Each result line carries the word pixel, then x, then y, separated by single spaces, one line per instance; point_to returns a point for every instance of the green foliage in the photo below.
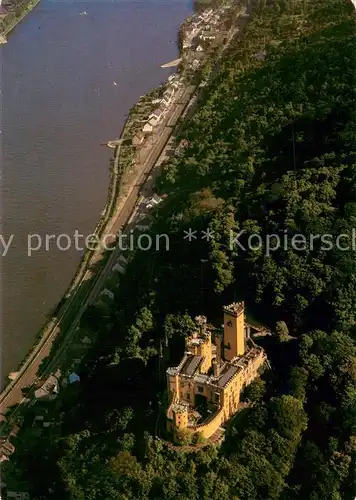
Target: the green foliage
pixel 282 331
pixel 198 438
pixel 182 325
pixel 254 392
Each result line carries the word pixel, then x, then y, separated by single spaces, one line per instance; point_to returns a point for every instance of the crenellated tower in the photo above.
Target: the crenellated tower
pixel 234 330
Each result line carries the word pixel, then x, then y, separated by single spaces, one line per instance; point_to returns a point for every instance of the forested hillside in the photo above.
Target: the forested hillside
pixel 271 151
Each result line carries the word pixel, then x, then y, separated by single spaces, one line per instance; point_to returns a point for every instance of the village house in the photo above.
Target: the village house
pixel 156 116
pixel 169 93
pixel 161 111
pixel 166 101
pixel 176 84
pixel 123 260
pixel 3 10
pixel 199 49
pixel 155 200
pixel 144 224
pixel 215 368
pixel 117 268
pixel 153 119
pixel 6 449
pixel 138 139
pixel 49 389
pixel 148 128
pixel 120 265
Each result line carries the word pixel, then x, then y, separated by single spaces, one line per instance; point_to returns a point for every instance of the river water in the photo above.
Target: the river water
pixel 59 102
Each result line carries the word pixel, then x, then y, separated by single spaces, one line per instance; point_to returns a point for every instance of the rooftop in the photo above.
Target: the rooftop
pixel 227 375
pixel 191 365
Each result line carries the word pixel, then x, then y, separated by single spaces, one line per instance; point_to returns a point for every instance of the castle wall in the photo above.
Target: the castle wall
pixel 210 426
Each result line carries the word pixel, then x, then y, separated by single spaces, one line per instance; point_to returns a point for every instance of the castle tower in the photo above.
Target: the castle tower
pixel 234 330
pixel 180 418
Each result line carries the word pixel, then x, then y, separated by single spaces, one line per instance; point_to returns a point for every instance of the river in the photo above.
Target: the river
pixel 59 102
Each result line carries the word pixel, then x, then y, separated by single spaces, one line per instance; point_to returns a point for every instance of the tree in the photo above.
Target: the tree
pixel 282 331
pixel 254 392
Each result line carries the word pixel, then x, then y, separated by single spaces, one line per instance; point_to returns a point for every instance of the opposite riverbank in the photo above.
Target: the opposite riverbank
pixel 13 16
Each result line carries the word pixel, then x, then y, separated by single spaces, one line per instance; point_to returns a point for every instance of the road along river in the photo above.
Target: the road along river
pixel 70 73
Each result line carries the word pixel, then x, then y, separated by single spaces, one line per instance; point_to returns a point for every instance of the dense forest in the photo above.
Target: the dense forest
pixel 271 151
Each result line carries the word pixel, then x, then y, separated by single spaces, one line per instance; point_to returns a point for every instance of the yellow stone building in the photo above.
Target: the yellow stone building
pixel 212 374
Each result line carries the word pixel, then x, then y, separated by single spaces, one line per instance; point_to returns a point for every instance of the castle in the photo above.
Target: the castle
pixel 212 374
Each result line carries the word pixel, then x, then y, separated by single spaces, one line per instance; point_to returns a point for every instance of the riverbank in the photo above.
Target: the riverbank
pixel 69 300
pixel 81 286
pixel 14 17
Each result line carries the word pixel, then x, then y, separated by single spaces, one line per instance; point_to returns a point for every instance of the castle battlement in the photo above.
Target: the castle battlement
pixel 235 309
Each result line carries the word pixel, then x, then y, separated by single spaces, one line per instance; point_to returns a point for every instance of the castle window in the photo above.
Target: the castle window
pixel 200 389
pixel 188 396
pixel 229 324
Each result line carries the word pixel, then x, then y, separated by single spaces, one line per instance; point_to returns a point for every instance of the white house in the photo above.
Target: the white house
pixel 199 48
pixel 166 102
pixel 153 201
pixel 176 84
pixel 156 116
pixel 49 389
pixel 147 129
pixel 169 93
pixel 161 111
pixel 153 120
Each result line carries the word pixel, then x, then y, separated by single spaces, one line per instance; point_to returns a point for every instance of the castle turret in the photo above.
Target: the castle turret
pixel 216 368
pixel 234 330
pixel 180 417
